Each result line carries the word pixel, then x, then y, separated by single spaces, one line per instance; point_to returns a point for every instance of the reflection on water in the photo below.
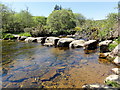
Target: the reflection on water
pixel 24 62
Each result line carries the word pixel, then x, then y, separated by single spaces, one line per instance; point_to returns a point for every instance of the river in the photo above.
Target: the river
pixel 31 65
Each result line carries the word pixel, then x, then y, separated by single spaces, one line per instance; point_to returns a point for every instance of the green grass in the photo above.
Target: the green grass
pixel 25 34
pixel 113 84
pixel 118 40
pixel 112 46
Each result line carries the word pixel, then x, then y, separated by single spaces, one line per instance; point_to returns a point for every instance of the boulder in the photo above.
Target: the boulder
pixel 48 44
pixel 30 39
pixel 104 46
pixel 116 51
pixel 90 45
pixel 64 42
pixel 116 70
pixel 91 86
pixel 16 36
pixel 106 43
pixel 114 78
pixel 117 60
pixel 114 42
pixel 41 39
pixel 104 55
pixel 52 40
pixel 76 43
pixel 23 37
pixel 70 36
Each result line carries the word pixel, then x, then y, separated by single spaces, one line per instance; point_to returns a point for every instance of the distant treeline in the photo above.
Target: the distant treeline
pixel 60 22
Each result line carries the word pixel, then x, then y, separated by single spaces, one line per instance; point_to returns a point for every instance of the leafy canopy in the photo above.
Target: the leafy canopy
pixel 60 20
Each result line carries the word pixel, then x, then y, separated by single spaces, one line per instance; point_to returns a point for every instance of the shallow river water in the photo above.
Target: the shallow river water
pixel 31 65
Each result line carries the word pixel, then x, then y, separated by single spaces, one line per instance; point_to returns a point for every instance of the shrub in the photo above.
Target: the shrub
pixel 40 31
pixel 25 34
pixel 77 29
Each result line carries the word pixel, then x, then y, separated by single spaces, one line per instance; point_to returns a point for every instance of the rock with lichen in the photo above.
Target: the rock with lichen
pixel 116 70
pixel 114 78
pixel 91 86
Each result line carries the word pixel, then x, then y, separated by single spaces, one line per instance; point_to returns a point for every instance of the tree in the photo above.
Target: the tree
pixel 15 22
pixel 6 18
pixel 39 20
pixel 60 7
pixel 57 7
pixel 80 19
pixel 25 18
pixel 61 20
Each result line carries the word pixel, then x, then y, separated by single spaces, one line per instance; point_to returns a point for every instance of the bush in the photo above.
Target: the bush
pixel 77 29
pixel 40 31
pixel 8 36
pixel 25 34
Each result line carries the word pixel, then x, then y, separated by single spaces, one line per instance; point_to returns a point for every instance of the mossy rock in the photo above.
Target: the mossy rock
pixel 113 84
pixel 8 36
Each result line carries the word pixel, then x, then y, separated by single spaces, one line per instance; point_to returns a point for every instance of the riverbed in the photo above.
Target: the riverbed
pixel 31 65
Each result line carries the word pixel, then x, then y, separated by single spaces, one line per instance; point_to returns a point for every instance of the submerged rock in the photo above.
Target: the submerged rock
pixel 106 55
pixel 116 70
pixel 77 43
pixel 117 60
pixel 64 42
pixel 49 75
pixel 95 86
pixel 114 78
pixel 48 44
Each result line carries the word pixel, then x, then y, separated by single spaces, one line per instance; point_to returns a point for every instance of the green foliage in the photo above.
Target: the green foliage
pixel 113 84
pixel 112 46
pixel 25 34
pixel 61 20
pixel 24 18
pixel 118 40
pixel 77 29
pixel 80 19
pixel 28 30
pixel 1 34
pixel 7 17
pixel 101 29
pixel 40 31
pixel 8 36
pixel 15 22
pixel 40 20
